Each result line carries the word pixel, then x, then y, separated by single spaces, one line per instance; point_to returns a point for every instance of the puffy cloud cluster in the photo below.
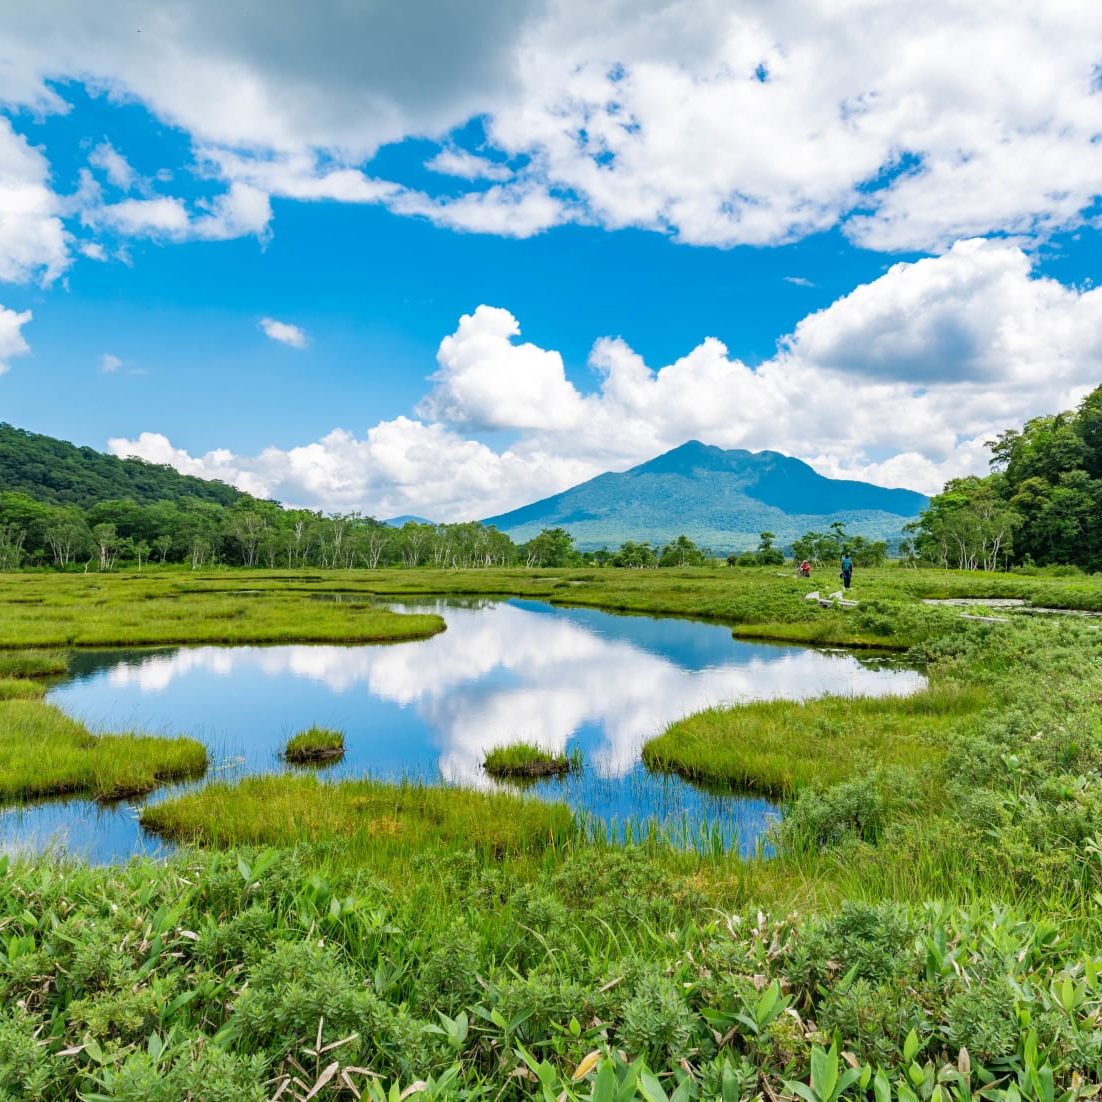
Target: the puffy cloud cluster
pixel 760 123
pixel 402 466
pixel 284 333
pixel 899 383
pixel 487 382
pixel 33 240
pixel 722 124
pixel 12 341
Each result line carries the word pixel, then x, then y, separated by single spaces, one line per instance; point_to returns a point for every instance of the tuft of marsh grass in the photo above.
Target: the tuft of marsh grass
pixel 525 759
pixel 313 745
pixel 21 688
pixel 32 663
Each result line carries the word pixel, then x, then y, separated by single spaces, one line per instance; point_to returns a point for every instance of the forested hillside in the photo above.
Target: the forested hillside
pixel 58 473
pixel 1042 503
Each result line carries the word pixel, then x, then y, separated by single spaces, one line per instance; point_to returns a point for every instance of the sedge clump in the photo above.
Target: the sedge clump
pixel 313 745
pixel 524 759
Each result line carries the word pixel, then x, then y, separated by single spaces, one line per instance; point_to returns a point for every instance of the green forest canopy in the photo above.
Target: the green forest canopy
pixel 1042 503
pixel 58 473
pixel 71 507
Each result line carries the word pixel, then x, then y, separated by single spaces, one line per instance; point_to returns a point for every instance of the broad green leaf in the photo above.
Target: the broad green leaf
pixel 604 1086
pixel 729 1083
pixel 910 1047
pixel 650 1088
pixel 824 1071
pixel 881 1088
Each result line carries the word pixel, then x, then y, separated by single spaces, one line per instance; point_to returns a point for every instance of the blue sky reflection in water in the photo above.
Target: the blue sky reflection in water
pixel 503 671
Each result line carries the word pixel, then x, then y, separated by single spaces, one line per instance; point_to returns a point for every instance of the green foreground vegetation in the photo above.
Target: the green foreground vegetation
pixel 928 925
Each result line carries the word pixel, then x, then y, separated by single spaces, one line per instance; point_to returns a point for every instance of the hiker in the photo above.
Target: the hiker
pixel 847 570
pixel 804 569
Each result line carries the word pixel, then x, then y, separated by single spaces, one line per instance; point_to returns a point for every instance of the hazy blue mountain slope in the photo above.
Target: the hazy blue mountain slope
pixel 721 499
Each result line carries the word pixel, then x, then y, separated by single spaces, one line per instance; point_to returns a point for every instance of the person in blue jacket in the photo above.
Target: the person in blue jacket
pixel 847 569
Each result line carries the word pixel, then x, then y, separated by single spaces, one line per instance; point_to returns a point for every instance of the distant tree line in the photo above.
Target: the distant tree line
pixel 817 548
pixel 1041 505
pixel 263 534
pixel 249 533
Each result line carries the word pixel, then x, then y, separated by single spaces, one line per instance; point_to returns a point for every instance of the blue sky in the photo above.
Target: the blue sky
pixel 445 259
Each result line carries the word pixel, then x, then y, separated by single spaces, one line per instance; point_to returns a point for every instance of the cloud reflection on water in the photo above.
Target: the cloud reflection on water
pixel 504 672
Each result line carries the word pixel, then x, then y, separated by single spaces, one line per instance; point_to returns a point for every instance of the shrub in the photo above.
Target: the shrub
pixel 876 942
pixel 984 1019
pixel 657 1022
pixel 851 811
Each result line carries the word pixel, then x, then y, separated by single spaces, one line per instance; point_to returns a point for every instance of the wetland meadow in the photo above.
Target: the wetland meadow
pixel 920 920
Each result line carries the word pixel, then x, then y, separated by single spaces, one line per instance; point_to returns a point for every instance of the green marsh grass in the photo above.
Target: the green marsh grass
pixel 33 663
pixel 525 759
pixel 313 745
pixel 20 688
pixel 101 610
pixel 45 753
pixel 371 815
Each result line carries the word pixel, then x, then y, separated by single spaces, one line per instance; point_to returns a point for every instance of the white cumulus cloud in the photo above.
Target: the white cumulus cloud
pixel 488 382
pixel 284 332
pixel 721 124
pixel 33 240
pixel 157 218
pixel 12 342
pixel 114 165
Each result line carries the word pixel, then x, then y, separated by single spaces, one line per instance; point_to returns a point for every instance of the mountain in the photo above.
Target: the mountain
pixel 397 522
pixel 719 499
pixel 58 473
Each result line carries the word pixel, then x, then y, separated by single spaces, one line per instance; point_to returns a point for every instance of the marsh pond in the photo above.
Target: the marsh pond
pixel 565 679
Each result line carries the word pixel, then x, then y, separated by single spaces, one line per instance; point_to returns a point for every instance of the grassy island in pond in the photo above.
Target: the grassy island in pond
pixel 522 760
pixel 777 747
pixel 315 744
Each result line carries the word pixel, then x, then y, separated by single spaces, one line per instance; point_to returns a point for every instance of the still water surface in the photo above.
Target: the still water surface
pixel 503 671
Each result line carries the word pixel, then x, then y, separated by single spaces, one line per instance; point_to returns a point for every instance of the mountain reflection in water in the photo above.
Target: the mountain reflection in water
pixel 503 671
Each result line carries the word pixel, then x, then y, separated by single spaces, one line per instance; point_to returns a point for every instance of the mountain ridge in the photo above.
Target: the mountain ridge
pixel 719 498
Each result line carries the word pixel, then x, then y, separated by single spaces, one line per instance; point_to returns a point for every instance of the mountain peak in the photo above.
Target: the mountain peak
pixel 720 498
